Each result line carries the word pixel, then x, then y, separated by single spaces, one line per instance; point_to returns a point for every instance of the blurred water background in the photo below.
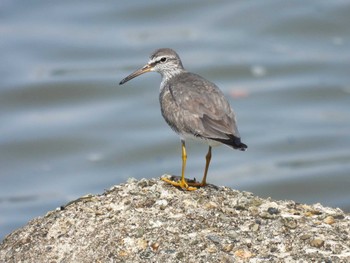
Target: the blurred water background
pixel 68 129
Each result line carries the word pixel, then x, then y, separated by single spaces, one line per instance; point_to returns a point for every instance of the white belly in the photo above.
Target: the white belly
pixel 199 139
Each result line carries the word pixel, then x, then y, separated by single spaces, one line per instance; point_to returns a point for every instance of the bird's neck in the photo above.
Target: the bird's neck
pixel 169 74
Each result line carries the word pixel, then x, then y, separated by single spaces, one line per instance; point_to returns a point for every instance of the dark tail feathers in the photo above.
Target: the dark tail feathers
pixel 233 141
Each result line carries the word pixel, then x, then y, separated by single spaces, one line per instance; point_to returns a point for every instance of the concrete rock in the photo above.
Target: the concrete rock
pixel 150 221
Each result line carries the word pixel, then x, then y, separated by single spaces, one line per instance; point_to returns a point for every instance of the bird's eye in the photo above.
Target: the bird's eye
pixel 163 59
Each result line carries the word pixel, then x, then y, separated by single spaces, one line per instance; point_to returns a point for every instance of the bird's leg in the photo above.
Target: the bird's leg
pixel 204 180
pixel 182 183
pixel 184 160
pixel 207 158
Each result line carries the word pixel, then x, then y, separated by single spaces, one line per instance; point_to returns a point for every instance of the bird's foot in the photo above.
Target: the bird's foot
pixel 180 183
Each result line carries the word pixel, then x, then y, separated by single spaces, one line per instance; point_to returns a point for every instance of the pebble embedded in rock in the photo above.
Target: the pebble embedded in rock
pixel 290 223
pixel 214 239
pixel 272 211
pixel 329 220
pixel 305 236
pixel 227 248
pixel 244 254
pixel 317 242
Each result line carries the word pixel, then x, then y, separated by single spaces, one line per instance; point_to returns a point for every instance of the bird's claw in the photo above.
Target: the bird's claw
pixel 181 183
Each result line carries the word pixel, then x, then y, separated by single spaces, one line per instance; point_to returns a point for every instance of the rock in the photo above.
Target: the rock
pixel 272 211
pixel 305 236
pixel 317 242
pixel 150 221
pixel 244 254
pixel 329 220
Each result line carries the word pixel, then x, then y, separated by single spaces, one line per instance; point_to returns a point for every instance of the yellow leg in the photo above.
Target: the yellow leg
pixel 207 158
pixel 204 180
pixel 182 183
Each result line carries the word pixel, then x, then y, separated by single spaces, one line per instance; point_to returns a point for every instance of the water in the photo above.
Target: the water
pixel 68 129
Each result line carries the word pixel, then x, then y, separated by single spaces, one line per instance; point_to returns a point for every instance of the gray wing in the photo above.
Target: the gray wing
pixel 205 110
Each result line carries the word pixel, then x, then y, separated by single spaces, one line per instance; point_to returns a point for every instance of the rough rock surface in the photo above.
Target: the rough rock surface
pixel 150 221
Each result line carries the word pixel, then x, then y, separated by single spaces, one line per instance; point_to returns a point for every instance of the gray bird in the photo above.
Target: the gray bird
pixel 193 107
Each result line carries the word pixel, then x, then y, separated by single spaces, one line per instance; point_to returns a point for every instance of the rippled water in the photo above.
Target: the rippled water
pixel 68 129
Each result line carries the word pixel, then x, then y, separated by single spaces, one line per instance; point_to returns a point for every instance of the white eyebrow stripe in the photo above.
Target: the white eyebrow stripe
pixel 158 59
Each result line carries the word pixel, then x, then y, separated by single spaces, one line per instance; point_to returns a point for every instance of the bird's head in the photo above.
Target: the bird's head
pixel 165 61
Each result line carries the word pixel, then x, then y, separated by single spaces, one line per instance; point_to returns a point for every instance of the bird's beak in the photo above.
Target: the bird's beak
pixel 144 69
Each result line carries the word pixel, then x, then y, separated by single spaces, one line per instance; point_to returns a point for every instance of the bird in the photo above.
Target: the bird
pixel 194 108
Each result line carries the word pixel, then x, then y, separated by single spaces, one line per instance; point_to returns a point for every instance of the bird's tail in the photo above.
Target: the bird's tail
pixel 232 141
pixel 241 146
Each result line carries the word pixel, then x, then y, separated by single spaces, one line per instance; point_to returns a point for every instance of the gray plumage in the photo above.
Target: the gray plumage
pixel 193 107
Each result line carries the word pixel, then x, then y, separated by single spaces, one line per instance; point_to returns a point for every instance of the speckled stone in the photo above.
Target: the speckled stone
pixel 150 221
